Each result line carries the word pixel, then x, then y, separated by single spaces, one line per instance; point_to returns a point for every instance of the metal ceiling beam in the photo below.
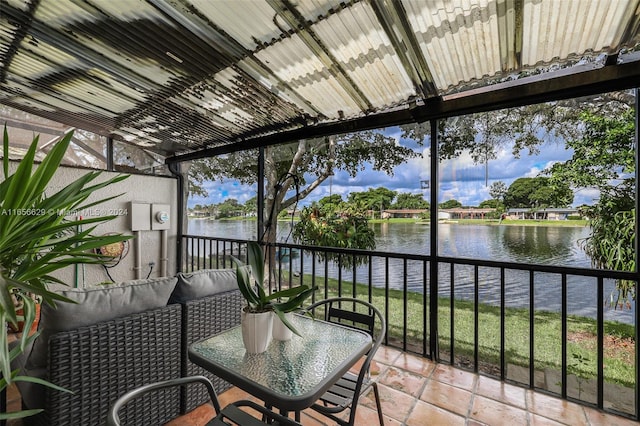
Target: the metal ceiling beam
pixel 68 45
pixel 510 31
pixel 393 18
pixel 564 84
pixel 245 60
pixel 20 35
pixel 633 28
pixel 294 19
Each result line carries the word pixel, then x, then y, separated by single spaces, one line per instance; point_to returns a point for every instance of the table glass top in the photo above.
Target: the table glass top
pixel 289 368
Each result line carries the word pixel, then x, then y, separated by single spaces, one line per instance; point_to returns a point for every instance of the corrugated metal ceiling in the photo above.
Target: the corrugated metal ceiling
pixel 175 76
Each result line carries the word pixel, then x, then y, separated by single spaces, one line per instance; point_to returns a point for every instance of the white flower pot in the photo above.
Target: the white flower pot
pixel 281 331
pixel 256 331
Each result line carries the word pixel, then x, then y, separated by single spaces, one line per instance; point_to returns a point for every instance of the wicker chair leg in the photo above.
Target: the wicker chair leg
pixel 378 405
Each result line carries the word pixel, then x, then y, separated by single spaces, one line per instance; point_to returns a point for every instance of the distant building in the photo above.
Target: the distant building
pixel 198 213
pixel 461 213
pixel 403 213
pixel 542 214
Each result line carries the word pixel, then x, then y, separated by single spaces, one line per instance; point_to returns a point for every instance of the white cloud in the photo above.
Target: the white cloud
pixel 459 178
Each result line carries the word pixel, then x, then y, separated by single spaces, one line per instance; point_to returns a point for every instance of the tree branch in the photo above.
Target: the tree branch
pixel 328 171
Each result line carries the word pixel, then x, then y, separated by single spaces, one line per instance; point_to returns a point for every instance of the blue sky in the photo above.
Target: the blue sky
pixel 460 179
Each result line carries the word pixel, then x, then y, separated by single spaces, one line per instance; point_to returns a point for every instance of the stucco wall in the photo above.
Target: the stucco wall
pixel 136 188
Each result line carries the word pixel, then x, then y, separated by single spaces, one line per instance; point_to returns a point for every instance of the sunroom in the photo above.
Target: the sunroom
pixel 181 93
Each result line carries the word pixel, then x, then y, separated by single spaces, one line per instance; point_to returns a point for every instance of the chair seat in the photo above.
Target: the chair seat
pixel 342 393
pixel 233 415
pixel 236 416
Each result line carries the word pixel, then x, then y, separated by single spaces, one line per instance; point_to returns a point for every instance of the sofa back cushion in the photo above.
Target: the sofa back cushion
pixel 207 282
pixel 97 304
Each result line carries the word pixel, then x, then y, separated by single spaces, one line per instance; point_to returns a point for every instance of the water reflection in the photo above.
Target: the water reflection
pixel 539 244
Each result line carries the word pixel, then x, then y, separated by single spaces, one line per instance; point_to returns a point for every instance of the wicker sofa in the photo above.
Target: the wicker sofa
pixel 119 337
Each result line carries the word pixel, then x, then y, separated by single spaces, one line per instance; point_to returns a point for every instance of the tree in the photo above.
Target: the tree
pixel 526 128
pixel 481 134
pixel 335 225
pixel 450 204
pixel 229 208
pixel 491 204
pixel 498 190
pixel 538 192
pixel 410 201
pixel 376 199
pixel 302 167
pixel 250 206
pixel 330 202
pixel 604 158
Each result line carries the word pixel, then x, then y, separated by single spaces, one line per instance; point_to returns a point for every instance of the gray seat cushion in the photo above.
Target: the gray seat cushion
pixel 96 305
pixel 207 282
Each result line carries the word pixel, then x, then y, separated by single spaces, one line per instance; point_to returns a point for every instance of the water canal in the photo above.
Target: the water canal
pixel 549 245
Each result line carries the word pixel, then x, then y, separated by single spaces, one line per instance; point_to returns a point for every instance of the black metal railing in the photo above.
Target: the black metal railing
pixel 498 318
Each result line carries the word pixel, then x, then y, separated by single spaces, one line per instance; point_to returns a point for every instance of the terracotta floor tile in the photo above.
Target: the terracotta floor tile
pixel 313 416
pixel 447 396
pixel 555 408
pixel 403 380
pixel 473 422
pixel 418 365
pixel 375 368
pixel 366 416
pixel 538 420
pixel 197 417
pixel 493 412
pixel 503 392
pixel 395 404
pixel 307 420
pixel 428 414
pixel 387 355
pixel 455 377
pixel 231 395
pixel 597 418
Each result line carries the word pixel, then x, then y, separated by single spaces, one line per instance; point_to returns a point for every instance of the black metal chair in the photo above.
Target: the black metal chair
pixel 230 415
pixel 344 394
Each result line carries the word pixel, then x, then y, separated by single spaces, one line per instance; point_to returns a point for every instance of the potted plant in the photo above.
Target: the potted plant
pixel 257 316
pixel 37 239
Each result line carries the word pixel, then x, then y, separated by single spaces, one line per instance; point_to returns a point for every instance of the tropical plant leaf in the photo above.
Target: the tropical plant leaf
pixel 245 287
pixel 255 259
pixel 5 152
pixel 20 414
pixel 37 239
pixel 295 302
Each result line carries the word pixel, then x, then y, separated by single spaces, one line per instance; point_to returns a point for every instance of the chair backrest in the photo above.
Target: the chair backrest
pixel 347 311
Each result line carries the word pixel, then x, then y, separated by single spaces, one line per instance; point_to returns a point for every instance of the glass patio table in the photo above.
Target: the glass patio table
pixel 290 375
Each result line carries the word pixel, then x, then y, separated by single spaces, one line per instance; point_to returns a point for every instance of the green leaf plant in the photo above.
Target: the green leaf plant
pixel 250 277
pixel 39 236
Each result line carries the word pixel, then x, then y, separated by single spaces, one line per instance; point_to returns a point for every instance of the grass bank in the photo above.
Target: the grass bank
pixel 581 332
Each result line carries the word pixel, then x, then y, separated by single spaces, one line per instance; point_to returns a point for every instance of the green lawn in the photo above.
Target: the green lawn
pixel 581 332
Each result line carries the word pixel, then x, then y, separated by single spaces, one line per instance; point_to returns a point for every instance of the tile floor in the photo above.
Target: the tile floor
pixel 417 392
